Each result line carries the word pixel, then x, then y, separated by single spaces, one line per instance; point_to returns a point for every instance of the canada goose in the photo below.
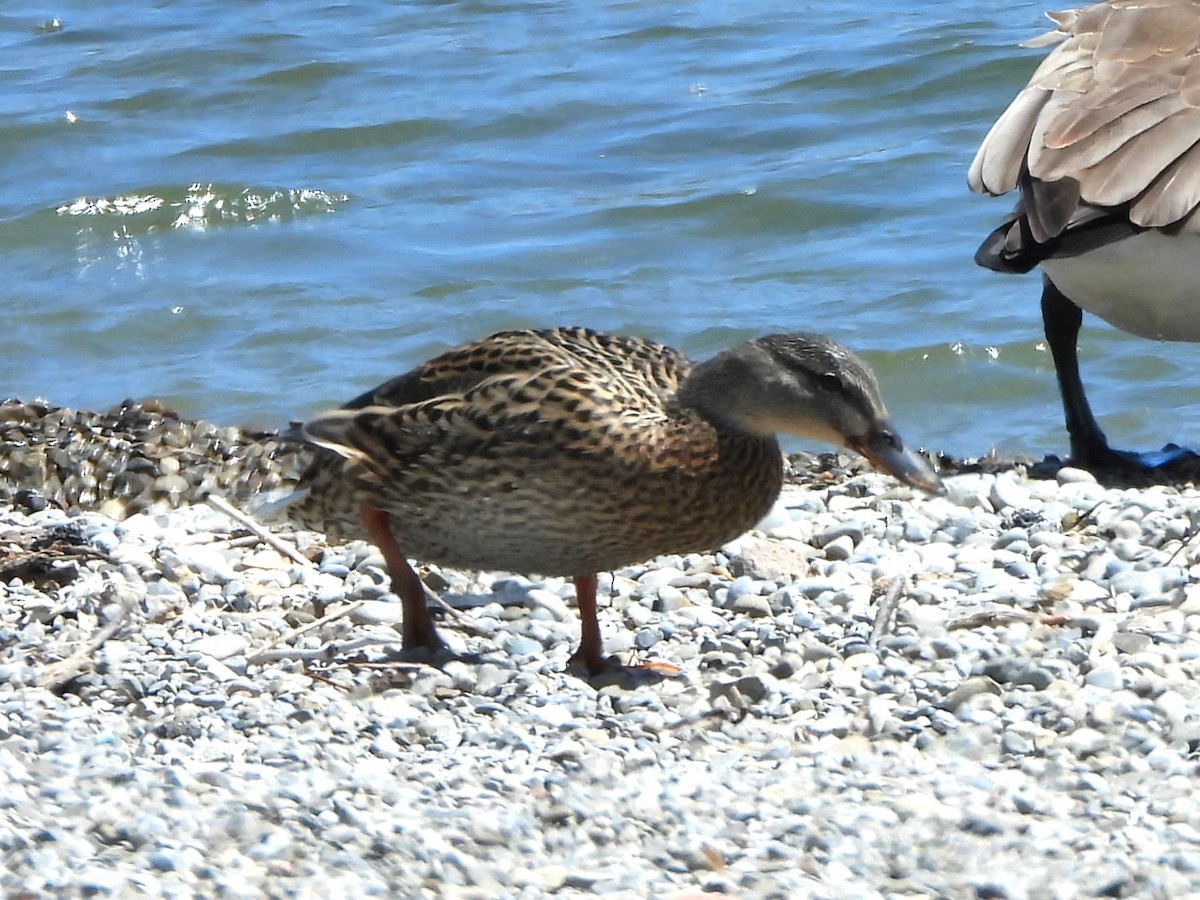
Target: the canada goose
pixel 1104 146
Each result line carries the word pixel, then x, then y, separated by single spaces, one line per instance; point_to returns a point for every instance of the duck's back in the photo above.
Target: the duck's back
pixel 556 452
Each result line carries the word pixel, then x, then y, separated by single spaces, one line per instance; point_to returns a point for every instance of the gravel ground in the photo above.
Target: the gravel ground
pixel 988 694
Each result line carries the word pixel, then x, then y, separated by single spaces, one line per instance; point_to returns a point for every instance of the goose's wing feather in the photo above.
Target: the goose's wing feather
pixel 1000 160
pixel 1114 108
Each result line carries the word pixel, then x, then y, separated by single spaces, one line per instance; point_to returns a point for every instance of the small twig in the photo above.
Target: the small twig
pixel 992 616
pixel 1086 517
pixel 316 676
pixel 57 674
pixel 267 654
pixel 885 615
pixel 264 535
pixel 248 540
pixel 400 665
pixel 330 652
pixel 1183 544
pixel 321 654
pixel 460 619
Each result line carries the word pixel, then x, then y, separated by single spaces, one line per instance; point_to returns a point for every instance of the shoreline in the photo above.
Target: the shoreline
pixel 992 693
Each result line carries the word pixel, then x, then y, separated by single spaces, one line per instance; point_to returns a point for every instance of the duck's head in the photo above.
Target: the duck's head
pixel 808 386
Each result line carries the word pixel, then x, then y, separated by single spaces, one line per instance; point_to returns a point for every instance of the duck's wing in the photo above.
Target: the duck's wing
pixel 534 394
pixel 1110 119
pixel 456 371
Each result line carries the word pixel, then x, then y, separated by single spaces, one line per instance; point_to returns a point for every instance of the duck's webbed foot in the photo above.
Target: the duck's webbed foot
pixel 606 670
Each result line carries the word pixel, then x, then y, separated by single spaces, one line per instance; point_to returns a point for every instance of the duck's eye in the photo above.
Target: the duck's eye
pixel 831 383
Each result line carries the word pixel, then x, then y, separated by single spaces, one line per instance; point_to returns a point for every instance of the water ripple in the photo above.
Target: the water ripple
pixel 205 205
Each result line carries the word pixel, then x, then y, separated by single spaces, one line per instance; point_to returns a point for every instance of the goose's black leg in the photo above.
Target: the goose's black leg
pixel 1089 447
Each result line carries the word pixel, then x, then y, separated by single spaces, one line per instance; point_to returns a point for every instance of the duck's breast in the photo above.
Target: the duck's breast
pixel 566 515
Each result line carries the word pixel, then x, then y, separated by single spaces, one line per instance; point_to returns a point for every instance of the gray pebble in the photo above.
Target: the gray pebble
pixel 647 638
pixel 656 578
pixel 1007 491
pixel 851 533
pixel 517 645
pixel 638 615
pixel 840 548
pixel 670 599
pixel 106 541
pixel 1105 677
pixel 1016 743
pixel 968 689
pixel 220 646
pixel 753 605
pixel 377 612
pixel 550 604
pixel 1070 475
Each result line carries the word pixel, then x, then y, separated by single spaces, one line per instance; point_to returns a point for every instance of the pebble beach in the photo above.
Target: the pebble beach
pixel 988 694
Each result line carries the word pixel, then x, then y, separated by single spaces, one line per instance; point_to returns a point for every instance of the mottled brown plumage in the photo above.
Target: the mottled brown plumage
pixel 569 452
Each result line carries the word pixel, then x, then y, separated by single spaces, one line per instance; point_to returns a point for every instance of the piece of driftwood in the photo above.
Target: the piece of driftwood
pixel 223 505
pixel 267 652
pixel 45 556
pixel 885 614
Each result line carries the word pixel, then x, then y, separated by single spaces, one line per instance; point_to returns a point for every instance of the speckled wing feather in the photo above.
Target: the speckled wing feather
pixel 1111 118
pixel 519 392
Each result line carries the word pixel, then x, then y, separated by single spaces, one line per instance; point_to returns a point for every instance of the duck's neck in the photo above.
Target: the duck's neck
pixel 727 390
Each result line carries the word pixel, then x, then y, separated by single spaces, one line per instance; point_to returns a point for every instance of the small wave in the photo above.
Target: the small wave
pixel 111 206
pixel 204 205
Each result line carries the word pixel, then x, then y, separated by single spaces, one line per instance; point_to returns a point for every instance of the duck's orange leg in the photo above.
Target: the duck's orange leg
pixel 417 628
pixel 590 654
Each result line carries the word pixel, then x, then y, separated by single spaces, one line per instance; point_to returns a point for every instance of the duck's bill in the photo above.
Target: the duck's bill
pixel 885 451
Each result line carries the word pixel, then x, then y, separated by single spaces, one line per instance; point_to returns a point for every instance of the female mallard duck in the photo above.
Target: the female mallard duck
pixel 569 452
pixel 1104 146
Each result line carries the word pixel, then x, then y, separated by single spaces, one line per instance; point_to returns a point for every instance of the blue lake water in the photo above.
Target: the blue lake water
pixel 256 211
